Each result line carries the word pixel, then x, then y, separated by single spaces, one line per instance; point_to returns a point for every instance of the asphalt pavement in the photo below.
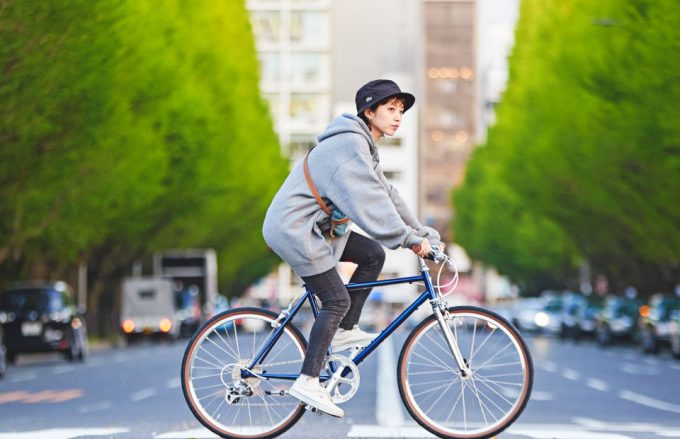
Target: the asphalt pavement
pixel 580 391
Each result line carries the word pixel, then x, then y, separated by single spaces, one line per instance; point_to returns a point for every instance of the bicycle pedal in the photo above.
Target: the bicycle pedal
pixel 314 410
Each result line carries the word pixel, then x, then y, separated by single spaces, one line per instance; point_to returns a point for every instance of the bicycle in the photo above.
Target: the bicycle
pixel 463 372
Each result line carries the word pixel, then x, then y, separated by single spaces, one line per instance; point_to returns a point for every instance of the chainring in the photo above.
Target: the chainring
pixel 342 388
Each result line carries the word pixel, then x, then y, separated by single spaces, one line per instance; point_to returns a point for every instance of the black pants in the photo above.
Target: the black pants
pixel 339 308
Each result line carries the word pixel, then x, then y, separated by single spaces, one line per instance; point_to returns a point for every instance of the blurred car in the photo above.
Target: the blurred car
pixel 675 333
pixel 3 351
pixel 655 321
pixel 43 317
pixel 573 305
pixel 589 315
pixel 538 315
pixel 618 320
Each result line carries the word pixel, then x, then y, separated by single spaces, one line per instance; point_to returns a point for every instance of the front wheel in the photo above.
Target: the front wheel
pixel 476 406
pixel 227 397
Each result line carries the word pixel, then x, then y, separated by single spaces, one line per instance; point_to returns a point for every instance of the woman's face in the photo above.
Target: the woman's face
pixel 385 120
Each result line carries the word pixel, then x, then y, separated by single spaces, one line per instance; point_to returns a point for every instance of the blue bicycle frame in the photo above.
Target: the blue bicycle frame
pixel 428 294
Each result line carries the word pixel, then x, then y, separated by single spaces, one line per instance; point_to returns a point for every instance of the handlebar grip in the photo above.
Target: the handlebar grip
pixel 431 255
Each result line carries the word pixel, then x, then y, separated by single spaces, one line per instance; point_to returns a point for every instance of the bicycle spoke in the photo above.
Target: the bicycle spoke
pixel 227 399
pixel 483 403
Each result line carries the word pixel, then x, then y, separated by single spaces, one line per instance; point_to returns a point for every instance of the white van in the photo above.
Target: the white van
pixel 148 308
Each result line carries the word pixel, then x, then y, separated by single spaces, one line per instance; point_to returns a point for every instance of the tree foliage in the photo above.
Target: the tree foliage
pixel 129 127
pixel 586 147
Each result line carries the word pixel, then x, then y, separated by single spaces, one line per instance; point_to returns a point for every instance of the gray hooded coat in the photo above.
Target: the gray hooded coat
pixel 345 169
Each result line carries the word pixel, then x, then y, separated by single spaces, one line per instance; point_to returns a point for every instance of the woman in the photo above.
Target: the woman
pixel 342 175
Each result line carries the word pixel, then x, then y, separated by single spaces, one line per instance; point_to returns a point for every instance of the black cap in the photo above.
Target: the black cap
pixel 378 90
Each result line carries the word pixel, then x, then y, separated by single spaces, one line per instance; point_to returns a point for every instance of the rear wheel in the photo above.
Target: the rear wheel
pixel 479 405
pixel 213 382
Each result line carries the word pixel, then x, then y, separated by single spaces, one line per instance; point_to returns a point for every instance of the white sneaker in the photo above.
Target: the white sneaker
pixel 308 390
pixel 348 338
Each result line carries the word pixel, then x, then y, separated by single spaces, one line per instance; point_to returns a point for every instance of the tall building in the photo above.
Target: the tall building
pixel 448 113
pixel 293 39
pixel 380 39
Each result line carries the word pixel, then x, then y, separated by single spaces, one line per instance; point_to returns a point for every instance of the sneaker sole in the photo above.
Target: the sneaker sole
pixel 310 402
pixel 342 347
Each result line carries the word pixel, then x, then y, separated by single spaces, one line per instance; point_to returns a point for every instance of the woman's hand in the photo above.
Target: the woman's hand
pixel 423 249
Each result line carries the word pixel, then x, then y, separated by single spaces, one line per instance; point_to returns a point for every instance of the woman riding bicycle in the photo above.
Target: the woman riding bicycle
pixel 307 225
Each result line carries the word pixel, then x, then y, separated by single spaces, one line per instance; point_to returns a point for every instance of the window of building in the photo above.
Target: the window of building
pixel 300 144
pixel 308 27
pixel 270 67
pixel 392 175
pixel 390 141
pixel 305 108
pixel 266 26
pixel 308 68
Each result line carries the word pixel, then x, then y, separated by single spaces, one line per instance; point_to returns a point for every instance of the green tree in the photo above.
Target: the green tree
pixel 130 127
pixel 587 134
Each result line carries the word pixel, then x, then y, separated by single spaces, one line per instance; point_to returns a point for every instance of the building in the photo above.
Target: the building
pixel 448 115
pixel 293 39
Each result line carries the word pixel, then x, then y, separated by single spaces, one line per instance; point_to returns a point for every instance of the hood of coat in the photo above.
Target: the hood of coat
pixel 348 123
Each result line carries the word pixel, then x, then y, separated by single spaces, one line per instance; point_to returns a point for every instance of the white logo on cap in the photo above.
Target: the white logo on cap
pixel 369 99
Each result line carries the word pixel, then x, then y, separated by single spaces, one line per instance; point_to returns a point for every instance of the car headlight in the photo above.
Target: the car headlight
pixel 542 319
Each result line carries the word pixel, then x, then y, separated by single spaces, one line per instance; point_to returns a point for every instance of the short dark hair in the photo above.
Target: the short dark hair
pixel 375 106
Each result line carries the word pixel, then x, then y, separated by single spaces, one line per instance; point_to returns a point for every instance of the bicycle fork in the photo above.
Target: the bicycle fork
pixel 463 364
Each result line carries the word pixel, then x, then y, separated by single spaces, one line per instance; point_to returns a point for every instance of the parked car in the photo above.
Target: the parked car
pixel 655 321
pixel 538 315
pixel 589 315
pixel 3 350
pixel 573 305
pixel 618 320
pixel 43 317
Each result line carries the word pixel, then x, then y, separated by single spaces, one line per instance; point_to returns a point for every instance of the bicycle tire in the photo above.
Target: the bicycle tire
pixel 496 393
pixel 222 342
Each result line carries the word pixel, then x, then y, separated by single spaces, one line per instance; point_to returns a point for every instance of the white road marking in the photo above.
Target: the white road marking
pixel 571 374
pixel 551 433
pixel 387 402
pixel 636 369
pixel 198 433
pixel 62 369
pixel 649 402
pixel 652 361
pixel 24 376
pixel 386 431
pixel 594 424
pixel 94 363
pixel 539 395
pixel 596 384
pixel 102 405
pixel 143 394
pixel 549 366
pixel 64 433
pixel 173 383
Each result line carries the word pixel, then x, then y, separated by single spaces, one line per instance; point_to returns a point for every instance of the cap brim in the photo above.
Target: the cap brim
pixel 408 98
